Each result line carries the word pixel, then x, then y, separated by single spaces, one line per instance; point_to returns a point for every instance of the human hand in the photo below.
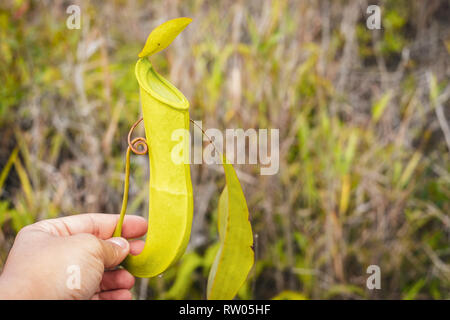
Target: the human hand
pixel 44 253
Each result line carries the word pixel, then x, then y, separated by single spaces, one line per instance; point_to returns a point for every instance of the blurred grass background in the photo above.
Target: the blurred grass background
pixel 364 139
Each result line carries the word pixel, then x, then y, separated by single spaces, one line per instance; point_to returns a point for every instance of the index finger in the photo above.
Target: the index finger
pixel 101 225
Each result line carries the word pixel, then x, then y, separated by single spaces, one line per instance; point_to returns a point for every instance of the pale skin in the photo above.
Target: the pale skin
pixel 38 265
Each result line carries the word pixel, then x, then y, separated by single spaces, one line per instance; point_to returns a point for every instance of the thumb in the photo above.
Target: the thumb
pixel 114 251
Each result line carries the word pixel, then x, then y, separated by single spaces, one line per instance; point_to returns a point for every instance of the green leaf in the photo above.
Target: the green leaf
pixel 410 169
pixel 163 35
pixel 6 169
pixel 380 106
pixel 414 290
pixel 434 88
pixel 235 256
pixel 289 295
pixel 184 279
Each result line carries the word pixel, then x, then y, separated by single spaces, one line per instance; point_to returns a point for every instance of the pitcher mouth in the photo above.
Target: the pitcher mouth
pixel 158 87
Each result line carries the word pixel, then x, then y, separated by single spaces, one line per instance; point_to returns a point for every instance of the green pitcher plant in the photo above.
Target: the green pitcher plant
pixel 166 110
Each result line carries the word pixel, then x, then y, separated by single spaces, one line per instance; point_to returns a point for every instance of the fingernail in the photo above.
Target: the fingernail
pixel 121 242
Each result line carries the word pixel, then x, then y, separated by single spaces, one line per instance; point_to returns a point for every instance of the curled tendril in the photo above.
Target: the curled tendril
pixel 133 145
pixel 137 143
